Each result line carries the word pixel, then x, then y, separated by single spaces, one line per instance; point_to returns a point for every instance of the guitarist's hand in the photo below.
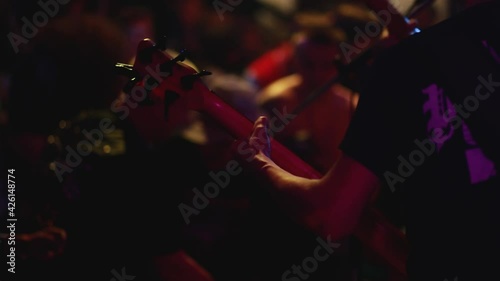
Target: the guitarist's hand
pixel 259 143
pixel 259 139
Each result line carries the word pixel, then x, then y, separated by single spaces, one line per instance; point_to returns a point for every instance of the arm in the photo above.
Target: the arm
pixel 332 204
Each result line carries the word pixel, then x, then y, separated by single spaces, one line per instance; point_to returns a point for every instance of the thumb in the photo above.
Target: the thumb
pixel 260 124
pixel 259 137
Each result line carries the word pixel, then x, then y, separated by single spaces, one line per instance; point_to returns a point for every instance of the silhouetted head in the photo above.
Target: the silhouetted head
pixel 69 67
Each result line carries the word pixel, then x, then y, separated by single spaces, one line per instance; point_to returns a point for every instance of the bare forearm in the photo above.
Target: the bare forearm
pixel 307 201
pixel 331 205
pixel 292 192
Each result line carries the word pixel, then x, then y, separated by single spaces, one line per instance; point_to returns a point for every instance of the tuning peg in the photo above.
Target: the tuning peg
pixel 170 97
pixel 188 80
pixel 130 85
pixel 181 56
pixel 167 66
pixel 126 70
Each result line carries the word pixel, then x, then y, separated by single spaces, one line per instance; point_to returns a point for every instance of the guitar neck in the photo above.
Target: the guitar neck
pixel 241 127
pixel 183 90
pixel 374 231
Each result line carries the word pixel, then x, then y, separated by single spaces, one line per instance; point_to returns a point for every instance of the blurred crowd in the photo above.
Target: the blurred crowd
pixel 115 213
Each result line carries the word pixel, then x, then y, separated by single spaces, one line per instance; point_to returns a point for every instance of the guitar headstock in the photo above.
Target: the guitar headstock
pixel 161 91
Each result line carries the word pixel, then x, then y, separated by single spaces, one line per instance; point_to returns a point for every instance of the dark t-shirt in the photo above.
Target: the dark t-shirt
pixel 426 125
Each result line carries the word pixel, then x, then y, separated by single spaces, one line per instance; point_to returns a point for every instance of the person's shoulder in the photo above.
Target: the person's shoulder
pixel 345 95
pixel 342 91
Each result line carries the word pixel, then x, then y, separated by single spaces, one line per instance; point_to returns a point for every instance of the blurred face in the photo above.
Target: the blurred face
pixel 315 62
